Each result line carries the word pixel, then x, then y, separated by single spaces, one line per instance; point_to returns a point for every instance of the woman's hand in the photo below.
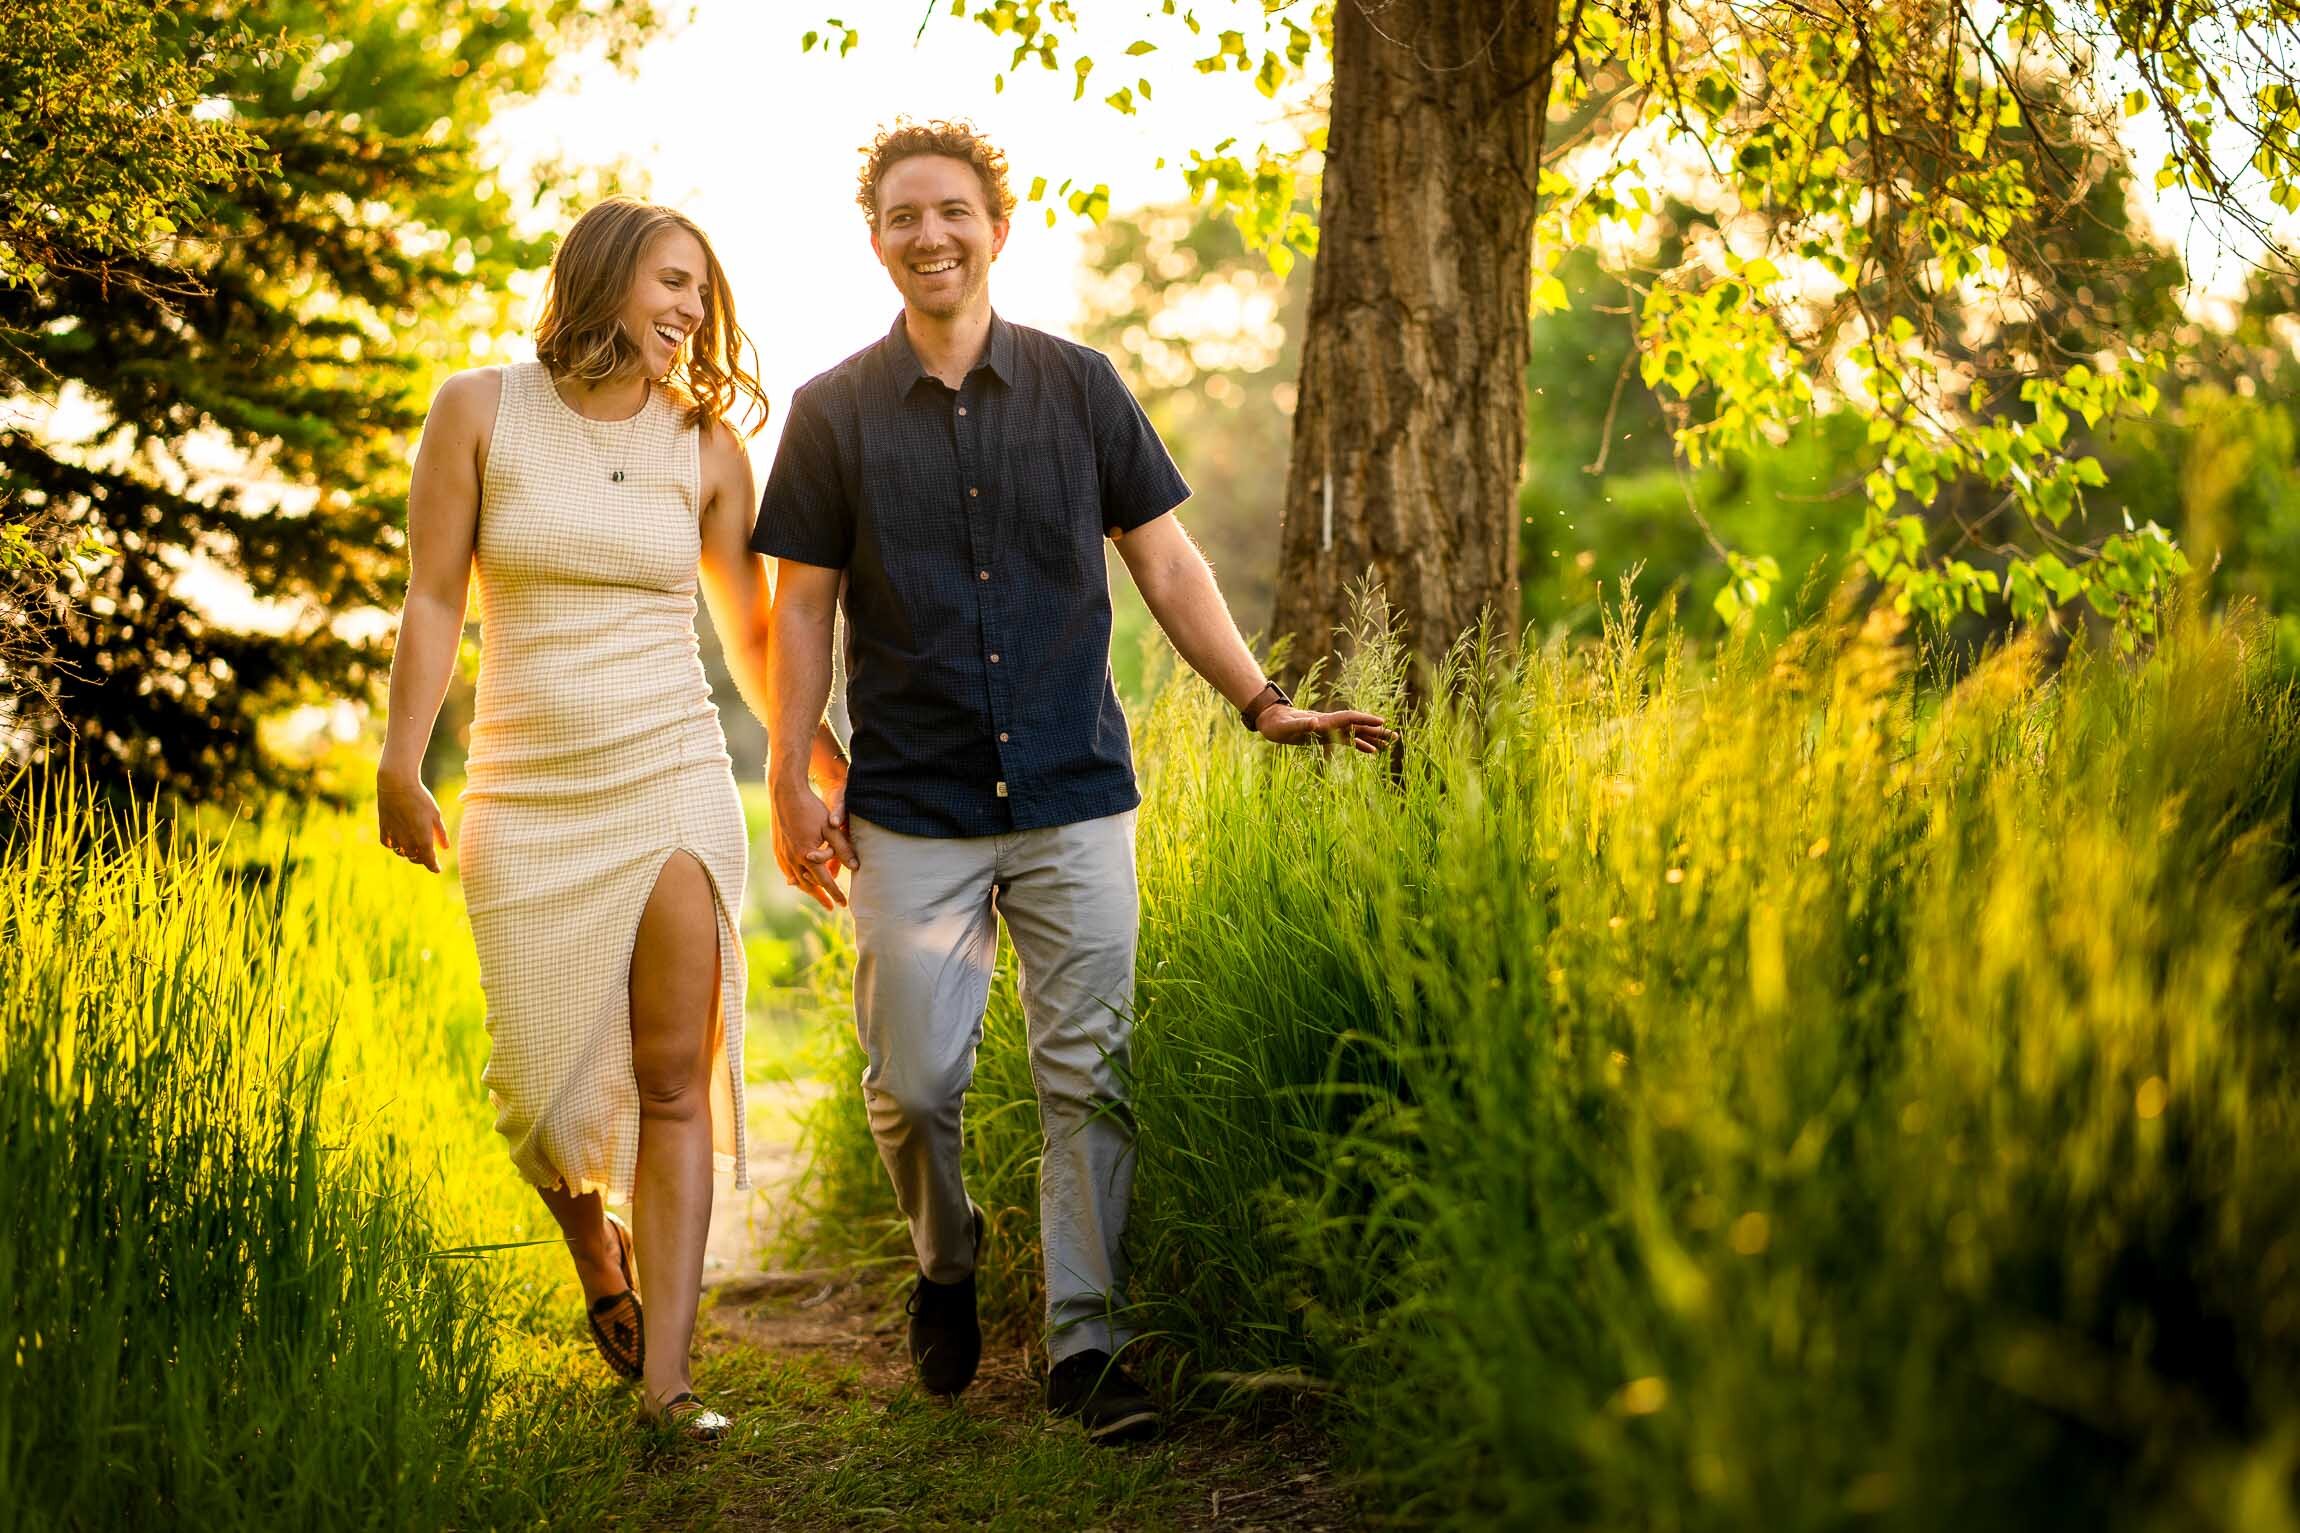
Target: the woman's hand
pixel 407 818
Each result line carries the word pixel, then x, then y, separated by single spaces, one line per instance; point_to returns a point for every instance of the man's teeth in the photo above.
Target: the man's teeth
pixel 931 268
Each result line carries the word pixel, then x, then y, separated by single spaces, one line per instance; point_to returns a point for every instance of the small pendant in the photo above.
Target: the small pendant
pixel 616 476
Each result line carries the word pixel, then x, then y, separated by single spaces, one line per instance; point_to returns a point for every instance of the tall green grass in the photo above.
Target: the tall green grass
pixel 243 1165
pixel 1803 1095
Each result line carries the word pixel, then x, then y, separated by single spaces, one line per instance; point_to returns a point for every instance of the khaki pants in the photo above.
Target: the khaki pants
pixel 926 910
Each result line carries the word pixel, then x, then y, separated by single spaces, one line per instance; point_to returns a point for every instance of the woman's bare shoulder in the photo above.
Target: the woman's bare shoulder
pixel 468 398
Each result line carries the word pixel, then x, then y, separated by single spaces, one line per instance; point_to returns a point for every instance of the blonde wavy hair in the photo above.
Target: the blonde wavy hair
pixel 580 334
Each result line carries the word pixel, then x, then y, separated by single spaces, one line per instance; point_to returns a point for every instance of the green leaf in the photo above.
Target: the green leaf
pixel 1271 75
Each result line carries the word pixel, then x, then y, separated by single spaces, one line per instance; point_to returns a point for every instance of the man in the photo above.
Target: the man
pixel 958 477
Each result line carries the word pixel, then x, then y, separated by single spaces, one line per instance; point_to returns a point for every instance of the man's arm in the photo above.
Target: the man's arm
pixel 809 843
pixel 1179 587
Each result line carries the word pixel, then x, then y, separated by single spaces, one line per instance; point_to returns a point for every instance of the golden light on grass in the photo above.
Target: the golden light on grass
pixel 1642 1397
pixel 2149 1100
pixel 1878 1034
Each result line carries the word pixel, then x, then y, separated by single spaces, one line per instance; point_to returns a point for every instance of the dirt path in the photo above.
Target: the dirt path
pixel 746 1225
pixel 832 1433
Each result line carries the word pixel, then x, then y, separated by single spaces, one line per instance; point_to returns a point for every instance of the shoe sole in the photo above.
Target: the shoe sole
pixel 1135 1426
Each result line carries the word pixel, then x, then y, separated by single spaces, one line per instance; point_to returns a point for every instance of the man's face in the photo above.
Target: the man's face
pixel 935 234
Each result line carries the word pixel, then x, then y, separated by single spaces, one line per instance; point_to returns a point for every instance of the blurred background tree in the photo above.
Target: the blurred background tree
pixel 224 398
pixel 1206 335
pixel 108 147
pixel 1867 171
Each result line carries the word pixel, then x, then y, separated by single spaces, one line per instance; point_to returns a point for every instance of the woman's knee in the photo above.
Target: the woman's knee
pixel 673 1094
pixel 675 992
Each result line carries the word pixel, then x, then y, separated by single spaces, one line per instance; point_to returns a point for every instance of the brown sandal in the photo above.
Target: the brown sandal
pixel 617 1326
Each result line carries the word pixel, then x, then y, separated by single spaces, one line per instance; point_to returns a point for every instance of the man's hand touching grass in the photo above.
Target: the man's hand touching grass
pixel 1285 724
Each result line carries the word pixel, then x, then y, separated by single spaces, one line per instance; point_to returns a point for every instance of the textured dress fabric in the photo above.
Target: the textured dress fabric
pixel 596 755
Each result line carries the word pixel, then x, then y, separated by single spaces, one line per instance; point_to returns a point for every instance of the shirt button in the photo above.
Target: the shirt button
pixel 1002 737
pixel 982 574
pixel 994 659
pixel 962 409
pixel 972 491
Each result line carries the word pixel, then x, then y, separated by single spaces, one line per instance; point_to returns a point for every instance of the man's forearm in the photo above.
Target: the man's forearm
pixel 799 687
pixel 1188 605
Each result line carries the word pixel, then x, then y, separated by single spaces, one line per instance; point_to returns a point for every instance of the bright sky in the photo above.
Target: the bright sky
pixel 760 145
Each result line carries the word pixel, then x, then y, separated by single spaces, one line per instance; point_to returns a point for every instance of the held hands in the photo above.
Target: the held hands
pixel 811 833
pixel 1285 724
pixel 407 818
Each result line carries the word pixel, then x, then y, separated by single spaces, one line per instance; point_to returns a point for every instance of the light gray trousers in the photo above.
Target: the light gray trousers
pixel 926 913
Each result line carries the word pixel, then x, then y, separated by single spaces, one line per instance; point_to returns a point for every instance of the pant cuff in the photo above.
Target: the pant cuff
pixel 1094 1335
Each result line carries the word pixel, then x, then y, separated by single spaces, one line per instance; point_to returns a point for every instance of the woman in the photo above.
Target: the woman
pixel 603 847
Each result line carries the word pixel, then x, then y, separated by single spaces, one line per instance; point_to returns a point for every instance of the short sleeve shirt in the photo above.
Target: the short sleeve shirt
pixel 970 524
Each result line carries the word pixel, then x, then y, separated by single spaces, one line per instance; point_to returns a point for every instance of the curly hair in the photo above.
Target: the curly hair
pixel 580 334
pixel 957 140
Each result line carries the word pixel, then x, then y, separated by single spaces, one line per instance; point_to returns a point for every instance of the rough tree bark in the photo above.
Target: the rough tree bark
pixel 1409 438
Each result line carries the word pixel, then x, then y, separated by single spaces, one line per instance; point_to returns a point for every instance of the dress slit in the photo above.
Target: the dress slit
pixel 611 1038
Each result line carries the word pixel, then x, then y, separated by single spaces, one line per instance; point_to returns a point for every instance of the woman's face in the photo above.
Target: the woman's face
pixel 666 300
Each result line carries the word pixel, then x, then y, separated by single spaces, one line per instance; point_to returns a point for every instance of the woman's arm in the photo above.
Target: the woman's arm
pixel 734 578
pixel 742 606
pixel 442 523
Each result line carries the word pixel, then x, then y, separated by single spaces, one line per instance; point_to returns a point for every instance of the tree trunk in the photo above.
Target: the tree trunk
pixel 1409 438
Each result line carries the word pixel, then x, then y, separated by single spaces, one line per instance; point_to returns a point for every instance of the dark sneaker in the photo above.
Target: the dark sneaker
pixel 1108 1404
pixel 945 1335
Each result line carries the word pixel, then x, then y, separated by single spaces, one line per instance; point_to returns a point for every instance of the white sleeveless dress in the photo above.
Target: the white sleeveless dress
pixel 595 755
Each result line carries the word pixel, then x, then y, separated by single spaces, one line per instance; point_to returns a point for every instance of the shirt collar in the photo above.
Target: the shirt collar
pixel 998 356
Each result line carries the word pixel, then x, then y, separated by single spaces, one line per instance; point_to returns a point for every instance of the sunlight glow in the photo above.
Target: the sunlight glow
pixel 760 144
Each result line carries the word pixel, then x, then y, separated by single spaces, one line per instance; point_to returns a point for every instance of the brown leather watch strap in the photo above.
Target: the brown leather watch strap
pixel 1270 694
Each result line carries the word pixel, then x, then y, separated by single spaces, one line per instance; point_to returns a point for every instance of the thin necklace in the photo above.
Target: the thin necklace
pixel 620 434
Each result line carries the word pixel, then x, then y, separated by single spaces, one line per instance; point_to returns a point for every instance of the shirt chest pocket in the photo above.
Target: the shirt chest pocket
pixel 1053 505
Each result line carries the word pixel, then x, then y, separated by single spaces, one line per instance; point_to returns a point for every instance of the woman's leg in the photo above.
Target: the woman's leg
pixel 598 1256
pixel 674 1029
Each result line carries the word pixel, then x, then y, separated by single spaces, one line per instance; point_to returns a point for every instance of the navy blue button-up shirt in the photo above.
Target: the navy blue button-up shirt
pixel 970 525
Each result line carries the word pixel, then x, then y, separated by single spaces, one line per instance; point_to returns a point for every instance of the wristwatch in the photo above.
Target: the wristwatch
pixel 1271 693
